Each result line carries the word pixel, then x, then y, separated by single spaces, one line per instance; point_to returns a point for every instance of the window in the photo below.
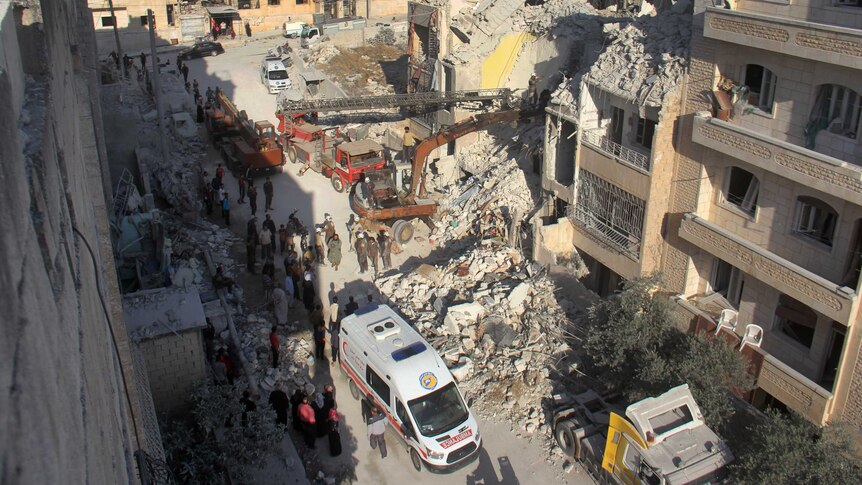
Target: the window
pixel 741 190
pixel 837 109
pixel 646 130
pixel 107 21
pixel 815 219
pixel 795 320
pixel 144 20
pixel 727 281
pixel 301 2
pixel 273 2
pixel 760 82
pixel 376 382
pixel 848 3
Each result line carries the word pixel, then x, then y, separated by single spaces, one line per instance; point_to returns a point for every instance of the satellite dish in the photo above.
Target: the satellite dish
pixel 753 336
pixel 727 319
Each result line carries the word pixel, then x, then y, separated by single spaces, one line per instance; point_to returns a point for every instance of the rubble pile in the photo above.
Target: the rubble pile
pixel 323 54
pixel 384 36
pixel 495 320
pixel 559 17
pixel 645 59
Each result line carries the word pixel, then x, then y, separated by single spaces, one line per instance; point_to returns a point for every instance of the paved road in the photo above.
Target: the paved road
pixel 506 458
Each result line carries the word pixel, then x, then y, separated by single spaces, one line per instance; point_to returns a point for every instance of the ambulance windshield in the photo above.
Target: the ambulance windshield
pixel 439 411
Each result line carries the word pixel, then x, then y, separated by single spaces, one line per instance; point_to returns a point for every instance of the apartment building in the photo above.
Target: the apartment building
pixel 609 154
pixel 766 218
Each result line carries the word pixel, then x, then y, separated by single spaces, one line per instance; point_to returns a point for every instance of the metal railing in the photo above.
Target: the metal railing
pixel 624 155
pixel 606 233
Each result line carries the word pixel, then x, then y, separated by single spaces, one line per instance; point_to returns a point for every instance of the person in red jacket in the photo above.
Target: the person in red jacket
pixel 307 421
pixel 274 345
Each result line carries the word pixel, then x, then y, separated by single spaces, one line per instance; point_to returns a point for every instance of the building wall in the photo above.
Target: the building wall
pixel 175 365
pixel 66 412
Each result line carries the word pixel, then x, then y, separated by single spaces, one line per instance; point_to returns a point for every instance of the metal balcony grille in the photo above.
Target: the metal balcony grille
pixel 609 213
pixel 627 156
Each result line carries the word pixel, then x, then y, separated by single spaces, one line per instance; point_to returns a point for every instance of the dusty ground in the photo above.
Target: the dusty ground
pixel 368 70
pixel 507 458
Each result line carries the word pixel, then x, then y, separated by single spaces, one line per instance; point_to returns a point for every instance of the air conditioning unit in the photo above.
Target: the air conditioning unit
pixel 384 329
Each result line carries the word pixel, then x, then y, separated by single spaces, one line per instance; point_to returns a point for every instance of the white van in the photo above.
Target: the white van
pixel 273 75
pixel 388 363
pixel 292 29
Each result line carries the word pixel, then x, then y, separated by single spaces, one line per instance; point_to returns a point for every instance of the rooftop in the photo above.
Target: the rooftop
pixel 153 313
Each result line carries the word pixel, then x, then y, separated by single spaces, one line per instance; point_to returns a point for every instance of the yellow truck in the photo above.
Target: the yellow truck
pixel 657 441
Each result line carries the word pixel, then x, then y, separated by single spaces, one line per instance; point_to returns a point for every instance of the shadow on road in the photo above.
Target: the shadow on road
pixel 485 474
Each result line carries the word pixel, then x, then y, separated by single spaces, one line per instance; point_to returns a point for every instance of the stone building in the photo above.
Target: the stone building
pixel 75 409
pixel 766 212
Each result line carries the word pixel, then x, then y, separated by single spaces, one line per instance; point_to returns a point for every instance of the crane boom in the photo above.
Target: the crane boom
pixel 289 107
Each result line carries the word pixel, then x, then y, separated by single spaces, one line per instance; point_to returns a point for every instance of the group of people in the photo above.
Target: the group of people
pixel 316 417
pixel 213 191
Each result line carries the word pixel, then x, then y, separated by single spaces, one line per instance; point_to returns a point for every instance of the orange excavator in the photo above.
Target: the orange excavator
pixel 379 200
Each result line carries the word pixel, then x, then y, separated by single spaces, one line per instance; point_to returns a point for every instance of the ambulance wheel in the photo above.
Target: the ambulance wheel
pixel 337 183
pixel 565 438
pixel 291 154
pixel 402 231
pixel 354 390
pixel 414 457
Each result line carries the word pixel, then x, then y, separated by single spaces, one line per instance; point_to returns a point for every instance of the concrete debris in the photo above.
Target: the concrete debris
pixel 323 54
pixel 644 60
pixel 498 333
pixel 385 36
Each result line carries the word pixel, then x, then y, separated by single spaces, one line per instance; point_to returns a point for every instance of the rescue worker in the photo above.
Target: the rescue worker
pixel 362 252
pixel 407 144
pixel 385 243
pixel 328 228
pixel 373 251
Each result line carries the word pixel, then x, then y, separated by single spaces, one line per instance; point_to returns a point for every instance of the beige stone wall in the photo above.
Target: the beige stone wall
pixel 175 365
pixel 67 417
pixel 820 11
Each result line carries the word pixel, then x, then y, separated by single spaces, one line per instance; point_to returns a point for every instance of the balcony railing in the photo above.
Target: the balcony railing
pixel 605 232
pixel 624 155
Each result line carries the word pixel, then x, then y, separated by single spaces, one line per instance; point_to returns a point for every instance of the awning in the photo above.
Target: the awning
pixel 223 11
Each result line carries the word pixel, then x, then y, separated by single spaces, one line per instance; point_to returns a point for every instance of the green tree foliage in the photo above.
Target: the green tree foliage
pixel 633 347
pixel 201 449
pixel 786 448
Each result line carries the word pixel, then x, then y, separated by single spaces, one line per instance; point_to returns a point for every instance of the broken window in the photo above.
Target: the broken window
pixel 796 320
pixel 815 219
pixel 761 87
pixel 610 213
pixel 645 132
pixel 727 281
pixel 107 21
pixel 837 109
pixel 144 20
pixel 741 190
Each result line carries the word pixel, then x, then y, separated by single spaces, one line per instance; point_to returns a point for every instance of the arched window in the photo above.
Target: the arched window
pixel 741 189
pixel 815 219
pixel 761 86
pixel 837 109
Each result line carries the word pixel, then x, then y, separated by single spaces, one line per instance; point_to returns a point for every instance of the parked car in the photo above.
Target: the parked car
pixel 202 49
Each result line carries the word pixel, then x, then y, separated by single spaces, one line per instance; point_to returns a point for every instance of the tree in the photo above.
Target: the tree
pixel 633 347
pixel 202 449
pixel 786 448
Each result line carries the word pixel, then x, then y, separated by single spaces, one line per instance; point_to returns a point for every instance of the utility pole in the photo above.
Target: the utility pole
pixel 157 93
pixel 117 38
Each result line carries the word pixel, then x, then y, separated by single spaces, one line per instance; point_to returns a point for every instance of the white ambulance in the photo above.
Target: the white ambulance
pixel 388 363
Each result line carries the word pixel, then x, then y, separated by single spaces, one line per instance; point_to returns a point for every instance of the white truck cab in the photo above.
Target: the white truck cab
pixel 388 363
pixel 292 29
pixel 273 75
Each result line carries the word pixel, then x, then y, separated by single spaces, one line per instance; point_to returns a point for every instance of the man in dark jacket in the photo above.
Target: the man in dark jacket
pixel 280 404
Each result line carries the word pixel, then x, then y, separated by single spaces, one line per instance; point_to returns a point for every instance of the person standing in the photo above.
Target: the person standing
pixel 274 345
pixel 225 209
pixel 351 223
pixel 143 61
pixel 248 406
pixel 279 303
pixel 270 224
pixel 328 228
pixel 385 243
pixel 531 89
pixel 373 251
pixel 306 421
pixel 334 254
pixel 351 307
pixel 362 252
pixel 377 431
pixel 265 243
pixel 280 403
pixel 241 183
pixel 207 193
pixel 332 316
pixel 185 70
pixel 295 401
pixel 282 238
pixel 407 144
pixel 267 193
pixel 319 341
pixel 248 29
pixel 220 172
pixel 289 288
pixel 333 433
pixel 319 244
pixel 308 289
pixel 252 197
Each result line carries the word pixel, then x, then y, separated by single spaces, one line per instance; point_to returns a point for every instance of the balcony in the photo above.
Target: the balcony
pixel 818 42
pixel 821 172
pixel 820 294
pixel 598 141
pixel 773 376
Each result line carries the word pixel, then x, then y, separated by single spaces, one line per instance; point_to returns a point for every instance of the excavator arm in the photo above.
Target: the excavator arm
pixel 469 125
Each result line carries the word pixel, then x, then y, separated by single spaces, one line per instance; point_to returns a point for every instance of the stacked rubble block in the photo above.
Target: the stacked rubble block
pixel 496 322
pixel 645 59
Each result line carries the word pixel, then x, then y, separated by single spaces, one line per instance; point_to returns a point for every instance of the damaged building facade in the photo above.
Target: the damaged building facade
pixel 765 231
